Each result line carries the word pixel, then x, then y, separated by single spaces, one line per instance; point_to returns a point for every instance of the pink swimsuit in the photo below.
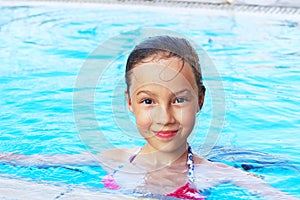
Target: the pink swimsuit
pixel 184 192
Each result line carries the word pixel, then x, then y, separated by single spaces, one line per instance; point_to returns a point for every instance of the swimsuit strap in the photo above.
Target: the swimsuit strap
pixel 131 158
pixel 190 164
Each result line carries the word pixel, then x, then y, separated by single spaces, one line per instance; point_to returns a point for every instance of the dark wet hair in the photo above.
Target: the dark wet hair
pixel 169 47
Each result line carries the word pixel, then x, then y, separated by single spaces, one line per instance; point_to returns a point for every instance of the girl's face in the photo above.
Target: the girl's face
pixel 163 96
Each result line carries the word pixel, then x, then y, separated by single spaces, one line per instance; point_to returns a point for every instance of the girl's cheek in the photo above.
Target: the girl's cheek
pixel 143 122
pixel 143 119
pixel 188 116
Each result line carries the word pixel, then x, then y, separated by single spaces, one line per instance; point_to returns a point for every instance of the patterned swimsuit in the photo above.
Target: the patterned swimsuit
pixel 186 191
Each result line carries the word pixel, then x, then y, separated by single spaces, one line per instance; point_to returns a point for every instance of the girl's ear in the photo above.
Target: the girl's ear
pixel 128 102
pixel 200 100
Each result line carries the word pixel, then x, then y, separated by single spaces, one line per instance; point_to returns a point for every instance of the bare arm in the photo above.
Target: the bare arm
pixel 83 159
pixel 252 183
pixel 108 159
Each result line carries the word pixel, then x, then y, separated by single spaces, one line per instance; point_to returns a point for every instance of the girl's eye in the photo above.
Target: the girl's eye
pixel 180 100
pixel 147 101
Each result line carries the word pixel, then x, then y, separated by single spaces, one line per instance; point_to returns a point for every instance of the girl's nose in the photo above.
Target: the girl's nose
pixel 163 115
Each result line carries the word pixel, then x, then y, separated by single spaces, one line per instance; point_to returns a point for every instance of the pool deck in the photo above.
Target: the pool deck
pixel 265 3
pixel 276 3
pixel 274 7
pixel 16 189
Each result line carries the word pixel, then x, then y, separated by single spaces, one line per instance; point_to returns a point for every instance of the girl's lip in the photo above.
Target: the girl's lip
pixel 166 134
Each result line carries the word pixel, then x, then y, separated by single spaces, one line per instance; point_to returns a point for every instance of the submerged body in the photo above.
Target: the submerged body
pixel 187 190
pixel 142 177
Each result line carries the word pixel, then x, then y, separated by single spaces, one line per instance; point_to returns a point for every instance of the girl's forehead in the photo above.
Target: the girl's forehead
pixel 173 76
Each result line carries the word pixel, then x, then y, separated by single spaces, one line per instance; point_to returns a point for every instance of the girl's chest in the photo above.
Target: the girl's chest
pixel 157 181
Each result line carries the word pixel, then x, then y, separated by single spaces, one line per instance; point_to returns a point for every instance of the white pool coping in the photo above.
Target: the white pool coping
pixel 273 13
pixel 273 3
pixel 179 6
pixel 16 189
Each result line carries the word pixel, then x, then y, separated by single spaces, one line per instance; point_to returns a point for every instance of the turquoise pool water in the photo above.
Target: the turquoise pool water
pixel 257 56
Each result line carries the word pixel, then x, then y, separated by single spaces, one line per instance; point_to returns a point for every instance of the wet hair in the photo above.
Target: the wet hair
pixel 165 47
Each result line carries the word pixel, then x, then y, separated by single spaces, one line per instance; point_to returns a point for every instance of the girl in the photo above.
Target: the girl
pixel 164 93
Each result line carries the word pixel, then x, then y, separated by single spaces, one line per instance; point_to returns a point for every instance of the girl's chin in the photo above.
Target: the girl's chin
pixel 169 146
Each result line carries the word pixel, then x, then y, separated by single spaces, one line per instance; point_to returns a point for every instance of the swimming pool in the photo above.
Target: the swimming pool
pixel 257 56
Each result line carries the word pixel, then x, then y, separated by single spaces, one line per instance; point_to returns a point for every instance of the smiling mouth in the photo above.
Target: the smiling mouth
pixel 165 134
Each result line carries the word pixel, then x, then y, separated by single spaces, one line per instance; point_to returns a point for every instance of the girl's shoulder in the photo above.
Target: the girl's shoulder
pixel 207 163
pixel 198 160
pixel 212 169
pixel 115 159
pixel 208 174
pixel 119 155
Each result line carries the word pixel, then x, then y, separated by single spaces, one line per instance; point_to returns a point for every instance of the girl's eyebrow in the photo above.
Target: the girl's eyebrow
pixel 146 92
pixel 183 91
pixel 153 94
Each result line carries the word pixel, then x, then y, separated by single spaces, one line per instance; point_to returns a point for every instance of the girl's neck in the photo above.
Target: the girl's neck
pixel 157 159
